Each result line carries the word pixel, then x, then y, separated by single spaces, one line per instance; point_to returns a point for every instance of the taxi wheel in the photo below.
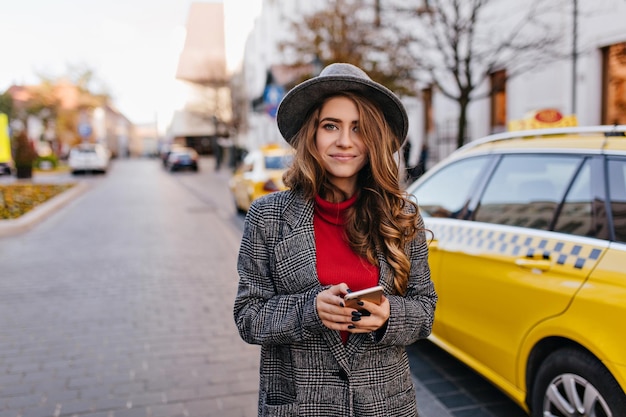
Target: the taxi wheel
pixel 572 383
pixel 239 209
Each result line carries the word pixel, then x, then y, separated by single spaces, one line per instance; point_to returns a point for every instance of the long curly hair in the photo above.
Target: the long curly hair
pixel 383 217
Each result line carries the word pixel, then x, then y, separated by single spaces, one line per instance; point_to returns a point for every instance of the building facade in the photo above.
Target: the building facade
pixel 207 112
pixel 587 81
pixel 67 116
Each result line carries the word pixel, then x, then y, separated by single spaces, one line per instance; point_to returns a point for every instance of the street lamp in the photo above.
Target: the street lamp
pixel 317 65
pixel 574 54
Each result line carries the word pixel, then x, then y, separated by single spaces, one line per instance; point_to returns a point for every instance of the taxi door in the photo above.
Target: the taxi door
pixel 504 272
pixel 442 198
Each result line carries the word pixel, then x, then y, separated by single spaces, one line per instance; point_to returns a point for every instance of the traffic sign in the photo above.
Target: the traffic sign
pixel 272 96
pixel 84 130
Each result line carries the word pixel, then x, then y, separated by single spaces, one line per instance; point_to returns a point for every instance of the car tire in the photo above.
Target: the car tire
pixel 591 379
pixel 238 208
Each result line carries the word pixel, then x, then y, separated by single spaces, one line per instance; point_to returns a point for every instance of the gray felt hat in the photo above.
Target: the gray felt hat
pixel 300 100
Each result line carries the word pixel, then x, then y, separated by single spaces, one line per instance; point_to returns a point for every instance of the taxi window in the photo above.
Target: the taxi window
pixel 443 195
pixel 525 190
pixel 277 161
pixel 249 161
pixel 617 195
pixel 580 213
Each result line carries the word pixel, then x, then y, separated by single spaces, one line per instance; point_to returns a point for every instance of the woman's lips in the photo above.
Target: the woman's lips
pixel 343 157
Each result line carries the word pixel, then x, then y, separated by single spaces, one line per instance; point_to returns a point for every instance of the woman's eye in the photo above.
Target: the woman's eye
pixel 329 126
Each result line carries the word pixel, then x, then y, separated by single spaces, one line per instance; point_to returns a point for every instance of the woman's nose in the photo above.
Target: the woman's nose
pixel 344 138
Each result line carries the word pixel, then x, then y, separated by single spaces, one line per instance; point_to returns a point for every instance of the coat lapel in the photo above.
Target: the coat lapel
pixel 296 265
pixel 297 262
pixel 295 250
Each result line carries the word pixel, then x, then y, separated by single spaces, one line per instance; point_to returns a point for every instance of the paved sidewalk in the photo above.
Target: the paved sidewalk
pixel 120 305
pixel 427 404
pixel 134 335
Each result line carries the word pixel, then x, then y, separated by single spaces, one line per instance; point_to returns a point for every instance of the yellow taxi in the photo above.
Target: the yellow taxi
pixel 528 256
pixel 260 173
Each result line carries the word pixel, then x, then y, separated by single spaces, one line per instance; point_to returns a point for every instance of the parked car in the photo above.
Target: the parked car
pixel 180 158
pixel 166 150
pixel 89 157
pixel 260 173
pixel 528 256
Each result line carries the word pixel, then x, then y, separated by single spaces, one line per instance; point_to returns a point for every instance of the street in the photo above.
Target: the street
pixel 120 305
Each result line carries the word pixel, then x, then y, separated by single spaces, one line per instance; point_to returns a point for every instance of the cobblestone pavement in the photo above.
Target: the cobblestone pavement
pixel 454 389
pixel 120 305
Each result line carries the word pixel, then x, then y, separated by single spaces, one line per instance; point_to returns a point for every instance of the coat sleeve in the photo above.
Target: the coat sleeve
pixel 411 316
pixel 261 314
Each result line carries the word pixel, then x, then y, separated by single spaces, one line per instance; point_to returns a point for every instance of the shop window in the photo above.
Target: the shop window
pixel 614 84
pixel 427 99
pixel 498 101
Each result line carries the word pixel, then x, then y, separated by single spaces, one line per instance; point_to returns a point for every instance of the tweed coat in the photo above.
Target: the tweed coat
pixel 305 368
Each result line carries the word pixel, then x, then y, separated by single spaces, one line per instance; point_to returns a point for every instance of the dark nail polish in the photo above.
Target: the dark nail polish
pixel 365 313
pixel 360 303
pixel 348 290
pixel 356 318
pixel 356 314
pixel 351 327
pixel 341 304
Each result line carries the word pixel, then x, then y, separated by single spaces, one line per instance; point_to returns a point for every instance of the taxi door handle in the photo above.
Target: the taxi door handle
pixel 535 264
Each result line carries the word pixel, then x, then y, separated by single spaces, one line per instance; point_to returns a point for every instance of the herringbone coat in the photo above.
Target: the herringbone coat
pixel 305 369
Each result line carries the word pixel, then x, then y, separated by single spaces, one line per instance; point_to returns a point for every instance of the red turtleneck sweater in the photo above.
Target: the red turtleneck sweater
pixel 336 262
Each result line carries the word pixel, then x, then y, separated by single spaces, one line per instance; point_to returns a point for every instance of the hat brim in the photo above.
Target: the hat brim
pixel 300 100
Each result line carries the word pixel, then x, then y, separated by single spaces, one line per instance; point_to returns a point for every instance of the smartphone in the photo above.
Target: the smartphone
pixel 373 294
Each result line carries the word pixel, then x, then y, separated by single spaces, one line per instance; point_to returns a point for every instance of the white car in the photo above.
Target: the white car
pixel 89 157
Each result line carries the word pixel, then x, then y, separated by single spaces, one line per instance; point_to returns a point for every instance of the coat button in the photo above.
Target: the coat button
pixel 343 375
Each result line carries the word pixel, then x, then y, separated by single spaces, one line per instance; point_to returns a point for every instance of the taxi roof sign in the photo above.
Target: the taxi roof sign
pixel 542 119
pixel 606 130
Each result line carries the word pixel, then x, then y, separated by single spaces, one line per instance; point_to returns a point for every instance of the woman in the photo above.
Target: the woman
pixel 344 225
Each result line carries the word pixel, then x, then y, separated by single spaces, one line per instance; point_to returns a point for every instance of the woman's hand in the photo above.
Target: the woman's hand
pixel 373 318
pixel 331 309
pixel 335 316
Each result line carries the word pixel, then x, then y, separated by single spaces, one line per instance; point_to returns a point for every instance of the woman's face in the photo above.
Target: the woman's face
pixel 338 141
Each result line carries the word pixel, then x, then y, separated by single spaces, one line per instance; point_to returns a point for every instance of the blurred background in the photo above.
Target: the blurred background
pixel 140 76
pixel 138 89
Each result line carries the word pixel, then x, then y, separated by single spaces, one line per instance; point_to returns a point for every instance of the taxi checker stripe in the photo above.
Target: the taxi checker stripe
pixel 514 244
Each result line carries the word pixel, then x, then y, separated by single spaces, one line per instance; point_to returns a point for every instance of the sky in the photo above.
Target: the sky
pixel 131 45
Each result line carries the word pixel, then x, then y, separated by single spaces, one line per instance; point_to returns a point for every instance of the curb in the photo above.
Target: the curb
pixel 29 220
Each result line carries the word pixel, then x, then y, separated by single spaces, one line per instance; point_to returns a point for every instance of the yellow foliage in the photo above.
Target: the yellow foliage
pixel 18 199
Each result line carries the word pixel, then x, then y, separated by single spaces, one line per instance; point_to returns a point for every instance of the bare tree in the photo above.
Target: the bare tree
pixel 349 31
pixel 456 45
pixel 211 101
